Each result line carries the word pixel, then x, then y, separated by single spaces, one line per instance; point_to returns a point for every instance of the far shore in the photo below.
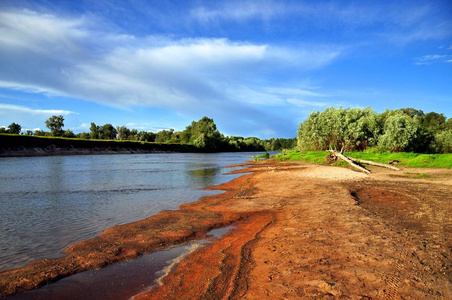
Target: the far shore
pixel 301 231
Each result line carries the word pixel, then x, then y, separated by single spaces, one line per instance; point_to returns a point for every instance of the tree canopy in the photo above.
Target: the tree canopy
pixel 203 134
pixel 406 129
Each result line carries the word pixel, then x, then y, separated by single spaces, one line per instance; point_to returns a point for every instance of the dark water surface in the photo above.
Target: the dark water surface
pixel 48 203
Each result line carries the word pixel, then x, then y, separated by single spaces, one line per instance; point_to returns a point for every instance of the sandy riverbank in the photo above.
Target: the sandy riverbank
pixel 303 231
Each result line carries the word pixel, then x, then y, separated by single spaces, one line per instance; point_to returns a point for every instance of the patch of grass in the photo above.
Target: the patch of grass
pixel 421 175
pixel 306 156
pixel 258 157
pixel 412 160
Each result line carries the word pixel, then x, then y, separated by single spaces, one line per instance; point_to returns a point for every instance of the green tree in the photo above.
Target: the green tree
pixel 434 122
pixel 69 134
pixel 83 135
pixel 123 132
pixel 3 130
pixel 95 131
pixel 204 134
pixel 164 136
pixel 55 124
pixel 14 128
pixel 443 141
pixel 108 132
pixel 400 133
pixel 39 132
pixel 353 129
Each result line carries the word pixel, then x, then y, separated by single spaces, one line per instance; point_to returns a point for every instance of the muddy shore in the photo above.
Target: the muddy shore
pixel 302 231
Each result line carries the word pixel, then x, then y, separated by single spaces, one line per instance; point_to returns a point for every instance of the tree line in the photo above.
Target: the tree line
pixel 355 129
pixel 202 134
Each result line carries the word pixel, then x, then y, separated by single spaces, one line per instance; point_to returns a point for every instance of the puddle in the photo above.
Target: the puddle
pixel 121 280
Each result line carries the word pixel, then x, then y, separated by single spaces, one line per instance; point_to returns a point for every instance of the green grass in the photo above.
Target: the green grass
pixel 259 157
pixel 420 176
pixel 306 156
pixel 412 160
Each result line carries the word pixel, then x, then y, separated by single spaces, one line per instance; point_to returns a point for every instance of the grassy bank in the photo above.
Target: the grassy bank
pixel 11 143
pixel 412 160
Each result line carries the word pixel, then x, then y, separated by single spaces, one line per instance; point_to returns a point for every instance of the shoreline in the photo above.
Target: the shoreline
pixel 128 241
pixel 302 230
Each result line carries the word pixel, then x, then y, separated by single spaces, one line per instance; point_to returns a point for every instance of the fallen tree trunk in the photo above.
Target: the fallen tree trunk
pixel 351 162
pixel 368 162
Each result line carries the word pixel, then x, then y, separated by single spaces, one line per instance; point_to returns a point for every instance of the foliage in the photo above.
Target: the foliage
pixel 14 128
pixel 203 134
pixel 403 133
pixel 55 124
pixel 406 129
pixel 443 141
pixel 351 129
pixel 264 155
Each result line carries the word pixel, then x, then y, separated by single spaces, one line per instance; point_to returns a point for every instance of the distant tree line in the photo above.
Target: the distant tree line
pixel 355 129
pixel 202 134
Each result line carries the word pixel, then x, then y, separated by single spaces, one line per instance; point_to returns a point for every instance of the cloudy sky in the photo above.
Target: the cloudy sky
pixel 258 68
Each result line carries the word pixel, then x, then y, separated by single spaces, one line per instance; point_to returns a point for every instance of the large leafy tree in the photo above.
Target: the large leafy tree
pixel 353 129
pixel 55 124
pixel 123 132
pixel 204 134
pixel 109 132
pixel 95 131
pixel 404 133
pixel 14 128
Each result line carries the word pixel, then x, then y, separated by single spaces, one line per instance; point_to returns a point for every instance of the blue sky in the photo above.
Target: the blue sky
pixel 258 68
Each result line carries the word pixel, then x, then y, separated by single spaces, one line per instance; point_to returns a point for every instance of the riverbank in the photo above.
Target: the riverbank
pixel 302 231
pixel 26 146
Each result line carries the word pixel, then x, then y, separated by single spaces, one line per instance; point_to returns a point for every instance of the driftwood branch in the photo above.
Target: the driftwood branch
pixel 368 162
pixel 350 161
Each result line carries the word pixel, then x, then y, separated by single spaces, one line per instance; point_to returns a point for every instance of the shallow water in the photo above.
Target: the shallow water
pixel 122 280
pixel 48 203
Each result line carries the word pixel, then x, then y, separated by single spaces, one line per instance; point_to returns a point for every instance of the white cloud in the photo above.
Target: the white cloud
pixel 239 11
pixel 66 58
pixel 8 108
pixel 429 59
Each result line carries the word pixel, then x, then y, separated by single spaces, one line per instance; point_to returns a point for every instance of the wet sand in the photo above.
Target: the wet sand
pixel 302 232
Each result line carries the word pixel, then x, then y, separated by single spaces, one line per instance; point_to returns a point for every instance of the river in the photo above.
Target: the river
pixel 49 203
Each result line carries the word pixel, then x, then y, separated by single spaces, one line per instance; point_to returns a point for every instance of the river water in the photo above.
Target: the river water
pixel 49 203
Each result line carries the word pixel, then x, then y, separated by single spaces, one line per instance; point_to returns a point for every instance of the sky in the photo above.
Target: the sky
pixel 258 68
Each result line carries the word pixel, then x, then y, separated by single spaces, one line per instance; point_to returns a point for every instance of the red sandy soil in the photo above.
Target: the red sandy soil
pixel 302 232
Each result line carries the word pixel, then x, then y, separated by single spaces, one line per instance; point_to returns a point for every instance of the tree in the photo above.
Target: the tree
pixel 14 128
pixel 164 136
pixel 400 132
pixel 55 124
pixel 69 134
pixel 353 129
pixel 83 135
pixel 108 132
pixel 434 122
pixel 204 134
pixel 3 129
pixel 443 141
pixel 123 132
pixel 95 131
